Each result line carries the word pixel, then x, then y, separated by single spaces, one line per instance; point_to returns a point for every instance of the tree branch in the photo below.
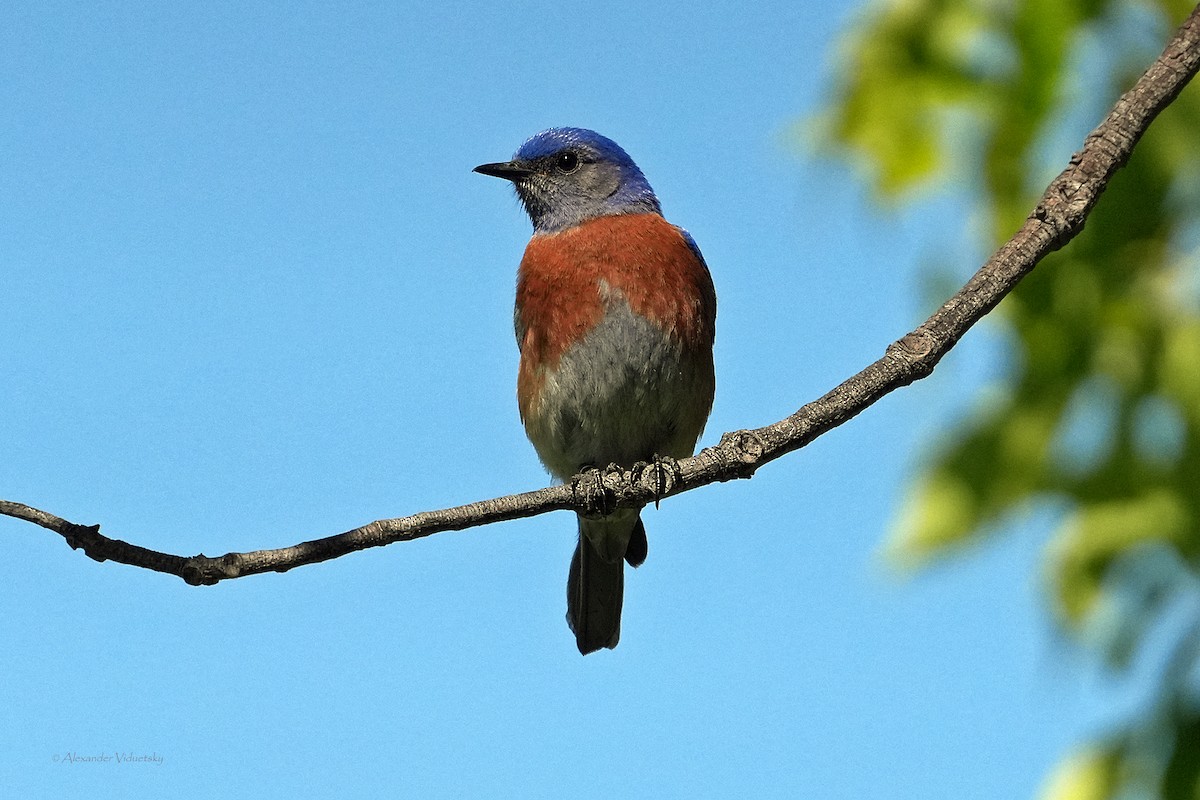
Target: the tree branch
pixel 1058 218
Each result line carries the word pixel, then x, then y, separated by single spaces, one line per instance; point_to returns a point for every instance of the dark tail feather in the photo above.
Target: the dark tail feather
pixel 595 589
pixel 635 553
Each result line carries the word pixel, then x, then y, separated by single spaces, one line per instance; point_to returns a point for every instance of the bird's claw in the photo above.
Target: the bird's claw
pixel 665 474
pixel 591 489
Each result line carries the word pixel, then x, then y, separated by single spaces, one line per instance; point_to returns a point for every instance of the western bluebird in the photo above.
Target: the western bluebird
pixel 615 319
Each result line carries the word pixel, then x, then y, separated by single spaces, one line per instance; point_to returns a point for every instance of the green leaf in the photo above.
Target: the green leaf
pixel 1091 774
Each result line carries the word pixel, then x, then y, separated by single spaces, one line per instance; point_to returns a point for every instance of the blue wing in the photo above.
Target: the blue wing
pixel 687 237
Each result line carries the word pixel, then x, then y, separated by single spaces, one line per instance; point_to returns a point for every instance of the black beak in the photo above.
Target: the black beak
pixel 509 170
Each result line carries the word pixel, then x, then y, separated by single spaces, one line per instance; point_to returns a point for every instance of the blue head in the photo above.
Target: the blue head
pixel 565 176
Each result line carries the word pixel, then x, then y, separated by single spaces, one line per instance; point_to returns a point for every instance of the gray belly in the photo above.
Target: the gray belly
pixel 624 393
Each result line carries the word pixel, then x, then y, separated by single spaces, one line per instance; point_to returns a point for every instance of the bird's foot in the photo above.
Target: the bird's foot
pixel 590 489
pixel 664 473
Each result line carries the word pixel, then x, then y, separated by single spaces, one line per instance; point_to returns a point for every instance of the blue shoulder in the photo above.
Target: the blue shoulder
pixel 687 237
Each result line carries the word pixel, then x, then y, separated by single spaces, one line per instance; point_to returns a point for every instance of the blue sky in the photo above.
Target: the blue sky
pixel 252 294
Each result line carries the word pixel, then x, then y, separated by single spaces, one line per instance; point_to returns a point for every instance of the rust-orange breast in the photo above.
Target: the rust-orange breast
pixel 642 256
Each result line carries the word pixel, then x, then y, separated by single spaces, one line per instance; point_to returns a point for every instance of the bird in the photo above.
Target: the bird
pixel 615 320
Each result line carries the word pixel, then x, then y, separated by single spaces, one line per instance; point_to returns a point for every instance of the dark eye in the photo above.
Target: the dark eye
pixel 567 162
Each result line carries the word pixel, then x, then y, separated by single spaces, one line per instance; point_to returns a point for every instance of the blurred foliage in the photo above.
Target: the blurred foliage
pixel 1100 411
